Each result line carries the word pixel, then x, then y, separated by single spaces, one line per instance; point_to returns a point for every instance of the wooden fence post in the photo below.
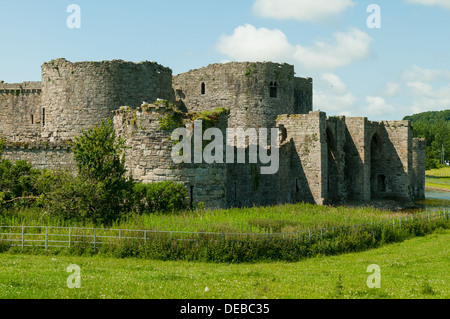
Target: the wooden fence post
pixel 23 232
pixel 46 238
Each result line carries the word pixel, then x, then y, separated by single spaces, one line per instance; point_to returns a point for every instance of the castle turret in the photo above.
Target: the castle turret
pixel 255 93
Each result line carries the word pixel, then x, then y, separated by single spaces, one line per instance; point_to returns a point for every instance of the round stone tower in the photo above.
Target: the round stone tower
pixel 76 96
pixel 256 93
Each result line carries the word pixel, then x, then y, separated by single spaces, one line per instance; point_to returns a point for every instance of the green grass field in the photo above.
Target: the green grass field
pixel 274 219
pixel 438 178
pixel 416 268
pixel 443 172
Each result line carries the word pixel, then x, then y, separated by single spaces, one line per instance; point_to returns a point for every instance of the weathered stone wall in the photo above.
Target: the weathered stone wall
pixel 245 89
pixel 50 156
pixel 77 95
pixel 418 167
pixel 303 95
pixel 20 111
pixel 378 159
pixel 336 139
pixel 356 172
pixel 391 170
pixel 247 186
pixel 309 161
pixel 149 156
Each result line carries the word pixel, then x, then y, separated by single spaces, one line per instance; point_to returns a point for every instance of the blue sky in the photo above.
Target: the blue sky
pixel 382 73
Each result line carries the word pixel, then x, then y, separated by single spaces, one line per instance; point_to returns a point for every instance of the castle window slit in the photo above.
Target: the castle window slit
pixel 203 88
pixel 191 205
pixel 43 116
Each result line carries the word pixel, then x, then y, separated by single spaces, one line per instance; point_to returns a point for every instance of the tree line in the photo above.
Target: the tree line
pixel 435 127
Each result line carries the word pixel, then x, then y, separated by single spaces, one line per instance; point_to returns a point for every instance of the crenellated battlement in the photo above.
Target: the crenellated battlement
pixel 24 88
pixel 38 145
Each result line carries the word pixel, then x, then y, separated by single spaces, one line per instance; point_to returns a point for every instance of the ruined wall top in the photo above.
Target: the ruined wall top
pixel 24 87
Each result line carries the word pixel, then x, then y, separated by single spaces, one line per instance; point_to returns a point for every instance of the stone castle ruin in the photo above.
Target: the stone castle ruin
pixel 322 160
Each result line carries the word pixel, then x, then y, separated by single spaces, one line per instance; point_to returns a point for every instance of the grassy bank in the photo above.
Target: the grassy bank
pixel 219 247
pixel 439 172
pixel 274 219
pixel 438 182
pixel 438 178
pixel 416 268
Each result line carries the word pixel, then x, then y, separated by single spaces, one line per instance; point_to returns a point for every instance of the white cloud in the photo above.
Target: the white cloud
pixel 331 95
pixel 249 43
pixel 427 97
pixel 442 3
pixel 346 48
pixel 420 90
pixel 376 105
pixel 392 88
pixel 335 82
pixel 428 88
pixel 304 10
pixel 334 103
pixel 427 75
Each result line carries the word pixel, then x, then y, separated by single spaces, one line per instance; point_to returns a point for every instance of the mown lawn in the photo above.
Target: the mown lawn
pixel 439 182
pixel 443 172
pixel 416 268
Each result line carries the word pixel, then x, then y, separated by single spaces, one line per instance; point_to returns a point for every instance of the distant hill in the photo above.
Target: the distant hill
pixel 430 117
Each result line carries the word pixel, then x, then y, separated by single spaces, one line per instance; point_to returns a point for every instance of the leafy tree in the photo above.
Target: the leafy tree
pixel 101 191
pixel 17 182
pixel 98 153
pixel 435 127
pixel 2 145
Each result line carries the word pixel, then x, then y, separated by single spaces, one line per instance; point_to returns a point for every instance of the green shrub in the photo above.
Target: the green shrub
pixel 163 197
pixel 101 191
pixel 17 183
pixel 432 163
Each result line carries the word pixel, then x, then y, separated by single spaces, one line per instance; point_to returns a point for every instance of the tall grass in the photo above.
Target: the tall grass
pixel 237 249
pixel 273 219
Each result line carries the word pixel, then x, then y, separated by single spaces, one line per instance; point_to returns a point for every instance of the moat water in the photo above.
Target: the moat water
pixel 434 200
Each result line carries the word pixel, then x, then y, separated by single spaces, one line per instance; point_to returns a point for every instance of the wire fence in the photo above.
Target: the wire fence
pixel 439 174
pixel 48 237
